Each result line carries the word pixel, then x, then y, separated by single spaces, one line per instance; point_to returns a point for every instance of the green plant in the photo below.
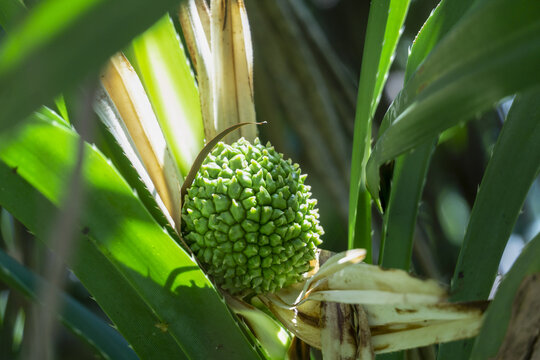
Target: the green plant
pixel 112 211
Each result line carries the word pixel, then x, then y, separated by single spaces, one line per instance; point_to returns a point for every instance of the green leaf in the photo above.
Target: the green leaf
pixel 117 145
pixel 76 317
pixel 10 12
pixel 384 24
pixel 159 59
pixel 498 314
pixel 18 329
pixel 7 230
pixel 78 35
pixel 439 23
pixel 274 339
pixel 502 192
pixel 410 170
pixel 95 272
pixel 163 276
pixel 408 181
pixel 464 75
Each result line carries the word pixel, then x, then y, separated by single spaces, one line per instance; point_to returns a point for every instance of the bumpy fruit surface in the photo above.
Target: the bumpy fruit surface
pixel 249 218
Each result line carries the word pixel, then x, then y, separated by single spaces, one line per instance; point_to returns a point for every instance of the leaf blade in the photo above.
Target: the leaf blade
pixel 462 77
pixel 76 317
pixel 159 59
pixel 498 315
pixel 33 57
pixel 94 271
pixel 497 205
pixel 164 276
pixel 384 23
pixel 410 170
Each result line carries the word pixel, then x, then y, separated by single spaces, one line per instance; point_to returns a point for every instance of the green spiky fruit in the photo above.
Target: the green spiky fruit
pixel 249 218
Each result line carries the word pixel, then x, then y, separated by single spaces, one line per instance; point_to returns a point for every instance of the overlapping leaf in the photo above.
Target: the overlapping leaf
pixel 33 62
pixel 463 75
pixel 163 276
pixel 410 170
pixel 498 316
pixel 498 204
pixel 94 330
pixel 402 311
pixel 384 24
pixel 162 65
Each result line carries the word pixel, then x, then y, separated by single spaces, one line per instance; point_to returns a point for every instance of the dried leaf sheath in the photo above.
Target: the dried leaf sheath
pixel 402 311
pixel 232 76
pixel 126 91
pixel 243 67
pixel 345 333
pixel 194 18
pixel 219 42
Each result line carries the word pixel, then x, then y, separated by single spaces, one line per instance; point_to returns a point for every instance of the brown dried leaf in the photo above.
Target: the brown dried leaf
pixel 402 311
pixel 345 333
pixel 522 340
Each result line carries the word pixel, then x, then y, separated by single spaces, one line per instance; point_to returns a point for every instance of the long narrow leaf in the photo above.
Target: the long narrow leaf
pixel 125 90
pixel 232 76
pixel 502 192
pixel 162 65
pixel 97 274
pixel 164 276
pixel 120 144
pixel 463 76
pixel 408 181
pixel 498 315
pixel 439 23
pixel 410 170
pixel 384 27
pixel 75 316
pixel 194 17
pixel 131 172
pixel 35 55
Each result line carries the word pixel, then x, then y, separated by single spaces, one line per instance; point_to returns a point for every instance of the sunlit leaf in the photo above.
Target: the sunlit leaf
pixel 171 284
pixel 162 65
pixel 33 60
